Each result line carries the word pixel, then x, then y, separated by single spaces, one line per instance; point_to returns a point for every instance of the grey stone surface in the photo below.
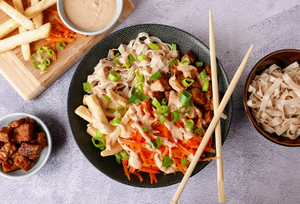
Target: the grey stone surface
pixel 255 170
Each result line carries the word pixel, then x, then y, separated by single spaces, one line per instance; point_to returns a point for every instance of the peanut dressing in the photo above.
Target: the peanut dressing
pixel 90 14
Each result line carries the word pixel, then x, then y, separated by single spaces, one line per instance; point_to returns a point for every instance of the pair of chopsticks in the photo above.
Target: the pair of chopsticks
pixel 215 123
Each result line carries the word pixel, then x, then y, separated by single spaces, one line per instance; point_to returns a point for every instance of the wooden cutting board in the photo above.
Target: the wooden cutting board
pixel 28 81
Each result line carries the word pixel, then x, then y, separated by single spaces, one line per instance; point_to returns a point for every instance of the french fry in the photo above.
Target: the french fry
pixel 25 47
pixel 38 19
pixel 26 37
pixel 17 16
pixel 11 24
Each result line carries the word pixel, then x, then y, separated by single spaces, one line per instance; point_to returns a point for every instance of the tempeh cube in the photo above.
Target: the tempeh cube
pixel 9 165
pixel 40 138
pixel 23 162
pixel 5 134
pixel 16 123
pixel 16 137
pixel 30 150
pixel 7 150
pixel 26 132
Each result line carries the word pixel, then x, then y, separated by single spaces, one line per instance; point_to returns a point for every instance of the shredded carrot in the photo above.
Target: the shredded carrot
pixel 125 162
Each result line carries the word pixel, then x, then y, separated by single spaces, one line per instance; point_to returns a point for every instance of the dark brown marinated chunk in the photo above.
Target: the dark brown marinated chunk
pixel 16 123
pixel 198 96
pixel 164 80
pixel 5 134
pixel 23 162
pixel 208 71
pixel 30 121
pixel 1 144
pixel 174 69
pixel 167 95
pixel 208 116
pixel 158 95
pixel 16 137
pixel 9 165
pixel 189 54
pixel 30 150
pixel 41 139
pixel 26 132
pixel 196 84
pixel 178 81
pixel 7 150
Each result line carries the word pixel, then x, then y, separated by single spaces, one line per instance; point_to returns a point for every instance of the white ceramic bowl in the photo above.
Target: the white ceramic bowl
pixel 67 22
pixel 38 162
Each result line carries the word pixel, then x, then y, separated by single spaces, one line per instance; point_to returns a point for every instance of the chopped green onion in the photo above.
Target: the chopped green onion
pixel 40 50
pixel 173 62
pixel 185 61
pixel 157 143
pixel 114 76
pixel 164 101
pixel 98 133
pixel 156 75
pixel 137 97
pixel 115 59
pixel 187 82
pixel 126 64
pixel 145 129
pixel 175 116
pixel 205 85
pixel 118 157
pixel 42 66
pixel 121 110
pixel 198 132
pixel 166 161
pixel 141 57
pixel 98 142
pixel 46 61
pixel 116 121
pixel 61 43
pixel 139 77
pixel 110 110
pixel 153 46
pixel 164 109
pixel 87 86
pixel 124 154
pixel 107 98
pixel 203 75
pixel 174 47
pixel 189 124
pixel 156 103
pixel 37 57
pixel 186 112
pixel 129 70
pixel 184 162
pixel 140 88
pixel 35 65
pixel 162 119
pixel 185 97
pixel 49 50
pixel 199 64
pixel 131 58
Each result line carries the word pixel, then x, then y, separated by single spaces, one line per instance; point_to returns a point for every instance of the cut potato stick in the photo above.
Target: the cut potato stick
pixel 26 37
pixel 9 25
pixel 16 15
pixel 38 19
pixel 25 47
pixel 212 126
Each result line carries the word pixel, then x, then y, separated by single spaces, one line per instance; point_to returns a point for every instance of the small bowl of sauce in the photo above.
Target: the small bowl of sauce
pixel 89 17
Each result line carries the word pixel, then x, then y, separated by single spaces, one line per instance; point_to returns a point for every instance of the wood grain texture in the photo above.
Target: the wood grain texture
pixel 21 74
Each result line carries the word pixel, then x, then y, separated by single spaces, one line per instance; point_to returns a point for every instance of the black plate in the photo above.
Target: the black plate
pixel 108 165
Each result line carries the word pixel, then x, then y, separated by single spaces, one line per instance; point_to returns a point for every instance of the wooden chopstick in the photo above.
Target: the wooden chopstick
pixel 212 126
pixel 218 138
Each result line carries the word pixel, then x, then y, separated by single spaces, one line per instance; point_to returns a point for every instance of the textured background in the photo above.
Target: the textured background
pixel 255 170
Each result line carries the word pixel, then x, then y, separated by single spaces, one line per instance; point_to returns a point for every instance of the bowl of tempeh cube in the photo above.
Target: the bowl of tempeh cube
pixel 25 145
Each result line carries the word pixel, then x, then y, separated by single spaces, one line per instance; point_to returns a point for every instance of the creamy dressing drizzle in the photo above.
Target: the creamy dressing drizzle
pixel 167 170
pixel 186 69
